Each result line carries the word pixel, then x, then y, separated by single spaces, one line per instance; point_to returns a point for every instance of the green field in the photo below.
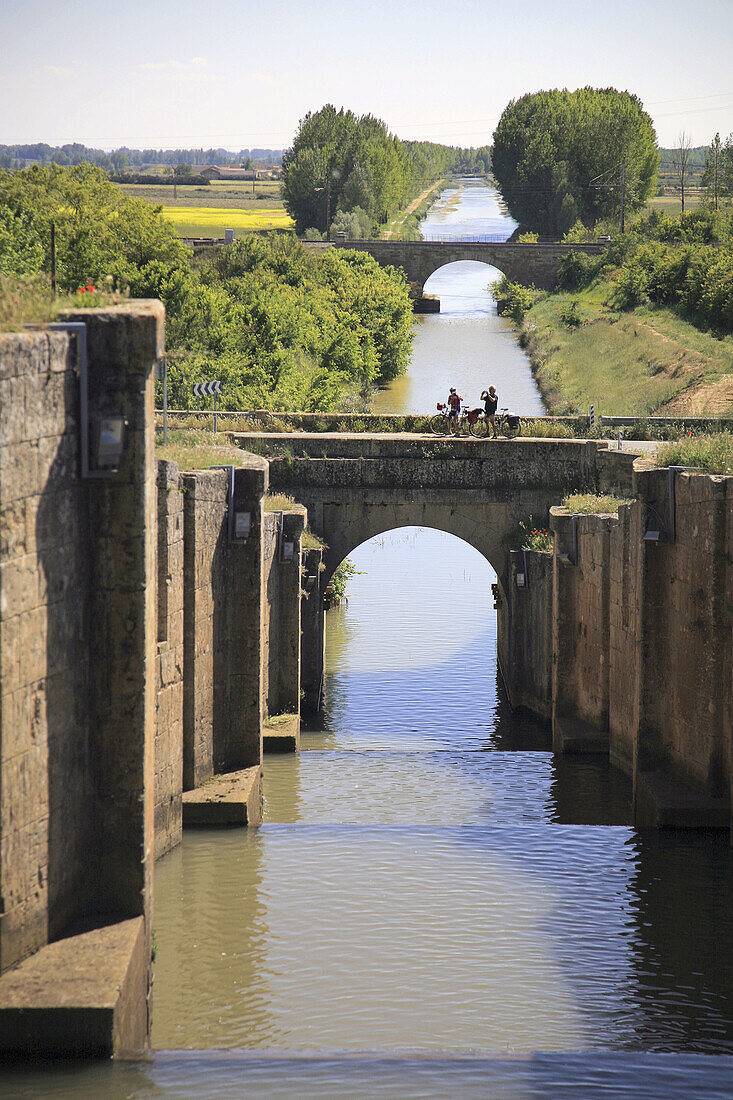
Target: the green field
pixel 670 204
pixel 220 194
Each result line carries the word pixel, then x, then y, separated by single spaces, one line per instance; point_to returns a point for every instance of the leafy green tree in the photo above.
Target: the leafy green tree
pixel 339 161
pixel 717 177
pixel 558 155
pixel 99 230
pixel 280 327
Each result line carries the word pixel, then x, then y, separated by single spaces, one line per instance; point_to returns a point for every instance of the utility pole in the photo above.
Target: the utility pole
pixel 328 203
pixel 623 193
pixel 53 259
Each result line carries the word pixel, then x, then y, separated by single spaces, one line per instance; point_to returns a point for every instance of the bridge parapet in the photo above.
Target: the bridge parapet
pixel 402 461
pixel 536 264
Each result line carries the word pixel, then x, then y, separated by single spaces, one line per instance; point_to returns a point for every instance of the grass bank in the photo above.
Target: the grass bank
pixel 711 454
pixel 644 362
pixel 406 226
pixel 197 450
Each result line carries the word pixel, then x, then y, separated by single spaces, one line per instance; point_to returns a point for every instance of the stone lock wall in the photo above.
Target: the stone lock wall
pixel 685 689
pixel 580 642
pixel 205 620
pixel 642 643
pixel 525 631
pixel 77 670
pixel 228 629
pixel 44 728
pixel 140 647
pixel 281 616
pixel 169 667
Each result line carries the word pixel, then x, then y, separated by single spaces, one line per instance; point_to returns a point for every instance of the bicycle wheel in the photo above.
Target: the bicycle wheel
pixel 511 427
pixel 438 424
pixel 479 428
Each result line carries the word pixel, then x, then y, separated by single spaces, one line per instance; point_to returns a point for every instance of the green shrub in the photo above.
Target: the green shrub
pixel 577 270
pixel 570 314
pixel 514 300
pixel 578 234
pixel 630 286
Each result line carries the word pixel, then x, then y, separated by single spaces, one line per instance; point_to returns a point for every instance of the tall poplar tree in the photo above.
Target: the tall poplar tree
pixel 559 155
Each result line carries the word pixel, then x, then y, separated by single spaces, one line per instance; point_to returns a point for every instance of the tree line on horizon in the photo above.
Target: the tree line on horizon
pixel 117 160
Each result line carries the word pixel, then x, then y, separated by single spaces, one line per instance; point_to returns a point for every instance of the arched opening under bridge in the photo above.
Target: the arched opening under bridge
pixel 417 636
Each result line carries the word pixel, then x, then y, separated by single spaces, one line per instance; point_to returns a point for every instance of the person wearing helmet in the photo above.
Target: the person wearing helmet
pixel 454 405
pixel 490 400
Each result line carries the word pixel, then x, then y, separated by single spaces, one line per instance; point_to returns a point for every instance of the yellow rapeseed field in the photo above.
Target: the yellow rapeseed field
pixel 207 221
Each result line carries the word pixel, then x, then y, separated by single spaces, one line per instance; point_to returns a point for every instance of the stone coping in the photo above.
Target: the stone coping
pixel 282 735
pixel 667 803
pixel 79 996
pixel 231 799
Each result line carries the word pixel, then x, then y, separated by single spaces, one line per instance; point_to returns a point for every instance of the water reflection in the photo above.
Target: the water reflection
pixel 429 877
pixel 211 934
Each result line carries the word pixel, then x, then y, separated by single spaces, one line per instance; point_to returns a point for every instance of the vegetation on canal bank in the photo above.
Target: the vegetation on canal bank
pixel 643 329
pixel 712 454
pixel 593 503
pixel 279 327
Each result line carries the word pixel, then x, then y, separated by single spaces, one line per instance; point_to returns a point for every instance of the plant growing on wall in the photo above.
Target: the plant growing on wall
pixel 536 538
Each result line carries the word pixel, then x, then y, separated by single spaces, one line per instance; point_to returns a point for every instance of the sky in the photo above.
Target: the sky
pixel 220 73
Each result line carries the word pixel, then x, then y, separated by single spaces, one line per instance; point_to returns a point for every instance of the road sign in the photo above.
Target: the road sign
pixel 592 417
pixel 206 389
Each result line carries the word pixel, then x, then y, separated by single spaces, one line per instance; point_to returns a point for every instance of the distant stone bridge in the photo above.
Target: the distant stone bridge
pixel 522 263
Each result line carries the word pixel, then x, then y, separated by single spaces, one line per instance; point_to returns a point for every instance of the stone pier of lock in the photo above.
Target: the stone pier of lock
pixel 157 626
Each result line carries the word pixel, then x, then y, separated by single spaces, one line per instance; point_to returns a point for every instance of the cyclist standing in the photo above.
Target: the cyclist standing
pixel 491 400
pixel 454 404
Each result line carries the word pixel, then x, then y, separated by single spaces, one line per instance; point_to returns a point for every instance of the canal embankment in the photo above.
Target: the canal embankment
pixel 645 362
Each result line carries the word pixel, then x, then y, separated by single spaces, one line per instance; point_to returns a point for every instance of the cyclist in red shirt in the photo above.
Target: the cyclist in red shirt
pixel 454 404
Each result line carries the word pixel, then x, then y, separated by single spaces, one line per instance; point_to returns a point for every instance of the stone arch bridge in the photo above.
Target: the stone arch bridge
pixel 522 263
pixel 357 486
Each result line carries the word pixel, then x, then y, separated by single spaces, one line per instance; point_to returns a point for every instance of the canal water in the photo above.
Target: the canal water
pixel 435 905
pixel 467 345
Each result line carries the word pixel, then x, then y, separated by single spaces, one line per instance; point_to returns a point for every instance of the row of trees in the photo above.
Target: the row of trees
pixel 559 156
pixel 18 156
pixel 341 163
pixel 280 327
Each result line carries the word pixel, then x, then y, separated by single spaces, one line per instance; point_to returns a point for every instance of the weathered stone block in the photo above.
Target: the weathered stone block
pixel 225 800
pixel 81 996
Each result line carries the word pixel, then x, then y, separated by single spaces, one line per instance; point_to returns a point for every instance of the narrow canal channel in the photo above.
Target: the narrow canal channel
pixel 467 345
pixel 435 905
